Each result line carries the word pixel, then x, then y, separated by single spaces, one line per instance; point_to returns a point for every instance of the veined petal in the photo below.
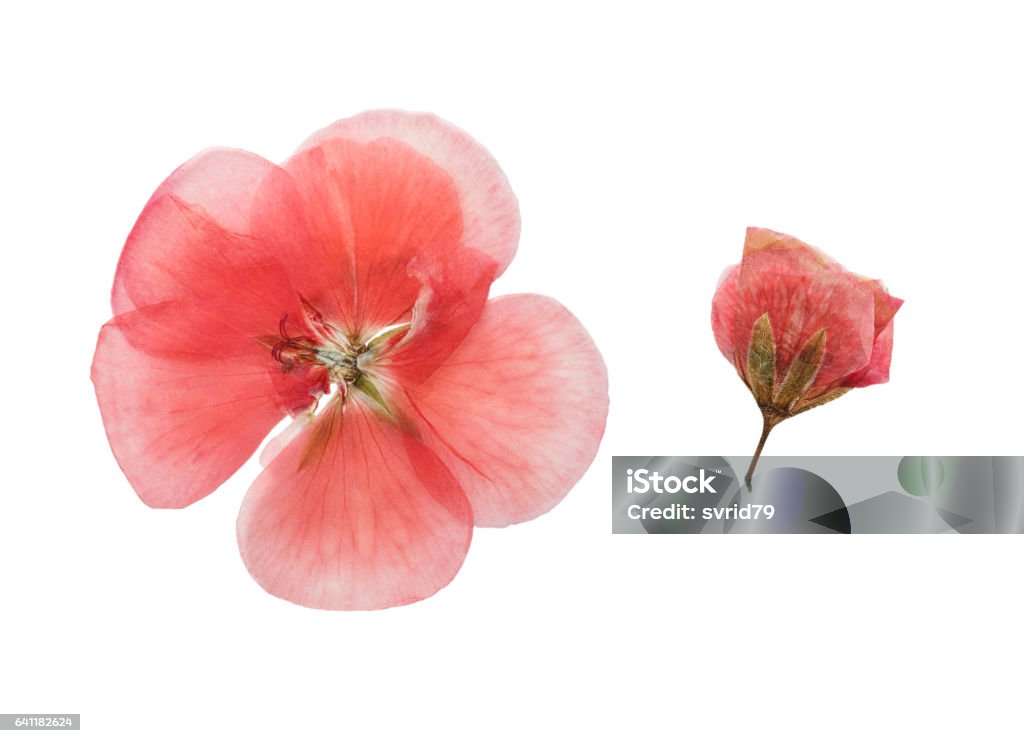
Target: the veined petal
pixel 518 410
pixel 453 294
pixel 877 370
pixel 354 513
pixel 177 252
pixel 185 400
pixel 348 218
pixel 886 305
pixel 490 209
pixel 218 186
pixel 725 309
pixel 222 183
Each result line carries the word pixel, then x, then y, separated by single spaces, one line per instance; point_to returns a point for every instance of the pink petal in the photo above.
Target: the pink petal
pixel 453 294
pixel 726 314
pixel 176 252
pixel 354 514
pixel 222 182
pixel 490 210
pixel 518 410
pixel 886 305
pixel 877 370
pixel 218 185
pixel 185 400
pixel 348 218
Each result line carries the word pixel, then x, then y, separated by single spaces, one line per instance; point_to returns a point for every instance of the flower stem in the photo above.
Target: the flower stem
pixel 769 424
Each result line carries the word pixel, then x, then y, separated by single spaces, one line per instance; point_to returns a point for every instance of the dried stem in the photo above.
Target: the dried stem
pixel 769 424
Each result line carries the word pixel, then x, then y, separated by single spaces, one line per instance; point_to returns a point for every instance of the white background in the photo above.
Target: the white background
pixel 641 141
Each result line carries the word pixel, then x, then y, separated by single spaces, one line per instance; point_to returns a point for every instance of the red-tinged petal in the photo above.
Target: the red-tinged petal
pixel 185 400
pixel 222 183
pixel 299 386
pixel 886 305
pixel 490 210
pixel 349 218
pixel 725 311
pixel 218 184
pixel 799 305
pixel 518 410
pixel 453 294
pixel 877 370
pixel 354 514
pixel 176 252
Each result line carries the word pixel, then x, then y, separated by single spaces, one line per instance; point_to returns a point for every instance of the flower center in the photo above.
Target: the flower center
pixel 345 358
pixel 342 364
pixel 338 356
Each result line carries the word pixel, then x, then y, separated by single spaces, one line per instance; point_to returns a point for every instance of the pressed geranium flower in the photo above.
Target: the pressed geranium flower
pixel 348 288
pixel 799 328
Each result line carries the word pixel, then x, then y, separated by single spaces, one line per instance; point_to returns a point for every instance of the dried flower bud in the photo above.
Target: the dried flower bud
pixel 800 329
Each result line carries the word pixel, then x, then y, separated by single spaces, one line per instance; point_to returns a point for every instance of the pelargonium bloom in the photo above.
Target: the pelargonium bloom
pixel 347 288
pixel 800 329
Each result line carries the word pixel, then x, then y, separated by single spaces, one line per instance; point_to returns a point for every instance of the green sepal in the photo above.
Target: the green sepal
pixel 801 373
pixel 827 397
pixel 365 385
pixel 761 360
pixel 387 335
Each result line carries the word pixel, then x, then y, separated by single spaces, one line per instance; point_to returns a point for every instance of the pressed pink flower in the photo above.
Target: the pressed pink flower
pixel 348 288
pixel 800 329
